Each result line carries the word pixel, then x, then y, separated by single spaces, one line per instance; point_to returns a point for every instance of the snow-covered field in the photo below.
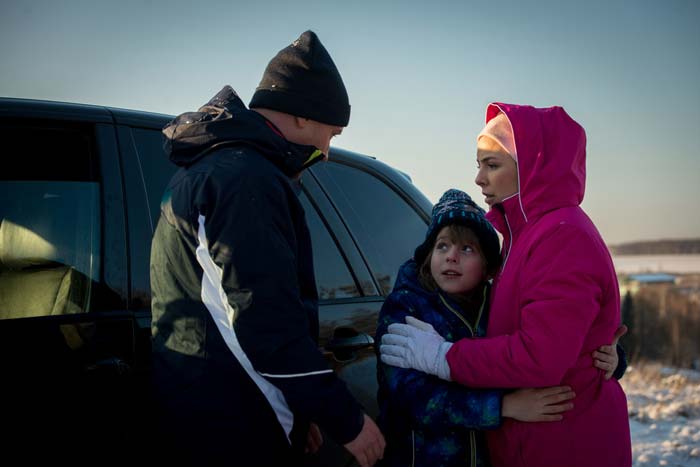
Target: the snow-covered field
pixel 677 264
pixel 664 407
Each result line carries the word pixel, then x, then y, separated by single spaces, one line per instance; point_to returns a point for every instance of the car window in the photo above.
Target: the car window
pixel 147 172
pixel 155 167
pixel 386 228
pixel 49 220
pixel 333 279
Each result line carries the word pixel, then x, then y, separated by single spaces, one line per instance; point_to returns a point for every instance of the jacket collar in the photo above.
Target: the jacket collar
pixel 225 121
pixel 407 279
pixel 508 217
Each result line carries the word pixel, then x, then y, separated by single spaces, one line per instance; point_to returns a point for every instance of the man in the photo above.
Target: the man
pixel 238 378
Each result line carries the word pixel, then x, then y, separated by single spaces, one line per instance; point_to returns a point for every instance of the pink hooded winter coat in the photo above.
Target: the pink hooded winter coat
pixel 555 301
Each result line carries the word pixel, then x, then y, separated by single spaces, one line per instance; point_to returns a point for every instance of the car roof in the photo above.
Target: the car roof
pixel 34 108
pixel 44 109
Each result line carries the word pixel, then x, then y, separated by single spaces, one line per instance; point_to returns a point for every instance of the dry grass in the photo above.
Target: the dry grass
pixel 657 393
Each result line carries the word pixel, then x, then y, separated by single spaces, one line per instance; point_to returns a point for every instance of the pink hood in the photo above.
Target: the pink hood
pixel 551 149
pixel 554 302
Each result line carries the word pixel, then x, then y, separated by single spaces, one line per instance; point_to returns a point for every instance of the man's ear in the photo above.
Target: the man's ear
pixel 301 122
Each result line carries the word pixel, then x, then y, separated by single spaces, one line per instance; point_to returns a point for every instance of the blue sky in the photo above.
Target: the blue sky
pixel 419 75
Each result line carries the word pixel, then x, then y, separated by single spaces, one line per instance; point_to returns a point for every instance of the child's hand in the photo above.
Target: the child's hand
pixel 605 357
pixel 538 405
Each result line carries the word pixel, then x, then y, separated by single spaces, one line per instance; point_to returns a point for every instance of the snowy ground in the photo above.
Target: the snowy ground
pixel 664 407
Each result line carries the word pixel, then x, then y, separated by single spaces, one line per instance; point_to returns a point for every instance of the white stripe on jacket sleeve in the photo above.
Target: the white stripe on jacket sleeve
pixel 215 300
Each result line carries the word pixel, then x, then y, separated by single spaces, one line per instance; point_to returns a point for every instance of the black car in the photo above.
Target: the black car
pixel 81 188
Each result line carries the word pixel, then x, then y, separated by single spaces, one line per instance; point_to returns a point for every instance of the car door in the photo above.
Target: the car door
pixel 146 173
pixel 363 225
pixel 66 335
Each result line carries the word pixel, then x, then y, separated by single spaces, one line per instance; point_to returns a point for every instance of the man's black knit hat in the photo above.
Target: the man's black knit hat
pixel 457 207
pixel 302 80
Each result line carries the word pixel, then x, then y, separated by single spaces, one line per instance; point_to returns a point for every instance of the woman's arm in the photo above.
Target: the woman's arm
pixel 612 358
pixel 431 402
pixel 559 302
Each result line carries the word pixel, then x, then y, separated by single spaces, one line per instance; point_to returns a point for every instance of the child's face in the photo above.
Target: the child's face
pixel 456 267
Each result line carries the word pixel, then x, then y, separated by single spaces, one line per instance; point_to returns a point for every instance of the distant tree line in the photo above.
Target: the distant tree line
pixel 658 247
pixel 664 326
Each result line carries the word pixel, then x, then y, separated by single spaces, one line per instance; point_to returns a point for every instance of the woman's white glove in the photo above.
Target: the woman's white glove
pixel 416 345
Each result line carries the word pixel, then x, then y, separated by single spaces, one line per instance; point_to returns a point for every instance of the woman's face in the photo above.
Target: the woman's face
pixel 498 172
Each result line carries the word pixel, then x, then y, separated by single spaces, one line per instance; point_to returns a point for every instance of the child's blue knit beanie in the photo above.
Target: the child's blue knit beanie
pixel 456 207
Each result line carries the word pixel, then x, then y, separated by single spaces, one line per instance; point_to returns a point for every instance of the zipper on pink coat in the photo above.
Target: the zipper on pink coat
pixel 510 243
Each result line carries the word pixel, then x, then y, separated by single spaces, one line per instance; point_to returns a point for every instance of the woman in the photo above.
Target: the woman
pixel 554 302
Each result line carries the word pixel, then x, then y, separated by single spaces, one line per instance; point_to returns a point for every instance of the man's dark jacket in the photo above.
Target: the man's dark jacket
pixel 236 368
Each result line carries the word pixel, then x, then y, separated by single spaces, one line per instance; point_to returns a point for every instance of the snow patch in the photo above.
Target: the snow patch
pixel 664 408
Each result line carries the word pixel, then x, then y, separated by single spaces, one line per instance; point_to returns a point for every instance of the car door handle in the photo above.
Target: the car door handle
pixel 109 366
pixel 348 340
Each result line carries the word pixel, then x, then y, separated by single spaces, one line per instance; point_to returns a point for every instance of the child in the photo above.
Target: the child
pixel 555 299
pixel 428 421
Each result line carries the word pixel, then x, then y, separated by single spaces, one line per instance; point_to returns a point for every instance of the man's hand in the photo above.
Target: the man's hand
pixel 606 357
pixel 538 405
pixel 416 345
pixel 368 446
pixel 314 439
